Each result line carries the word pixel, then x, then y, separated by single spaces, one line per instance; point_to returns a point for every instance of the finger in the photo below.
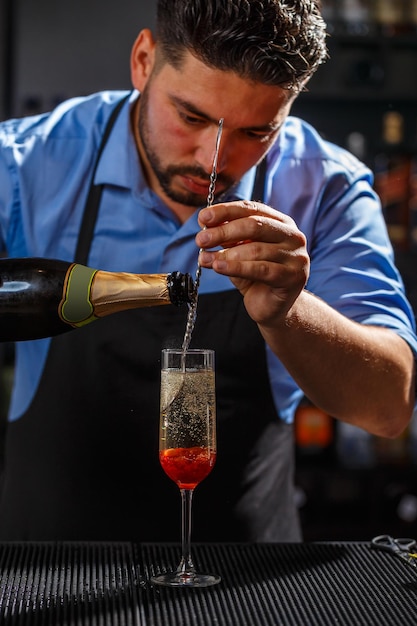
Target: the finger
pixel 265 264
pixel 275 275
pixel 224 212
pixel 251 228
pixel 248 251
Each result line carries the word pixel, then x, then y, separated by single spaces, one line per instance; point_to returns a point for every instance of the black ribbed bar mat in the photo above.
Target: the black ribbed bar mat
pixel 313 584
pixel 100 584
pixel 68 584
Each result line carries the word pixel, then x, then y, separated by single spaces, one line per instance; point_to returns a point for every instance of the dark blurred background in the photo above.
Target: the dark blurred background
pixel 350 485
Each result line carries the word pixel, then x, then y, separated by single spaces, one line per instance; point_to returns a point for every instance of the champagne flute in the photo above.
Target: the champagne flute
pixel 187 443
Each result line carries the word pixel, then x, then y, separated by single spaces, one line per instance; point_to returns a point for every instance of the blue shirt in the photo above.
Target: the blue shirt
pixel 46 163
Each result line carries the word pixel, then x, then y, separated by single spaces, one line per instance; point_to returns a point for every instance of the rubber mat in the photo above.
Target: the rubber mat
pixel 311 584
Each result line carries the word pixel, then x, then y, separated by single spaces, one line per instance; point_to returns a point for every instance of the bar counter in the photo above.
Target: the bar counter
pixel 108 584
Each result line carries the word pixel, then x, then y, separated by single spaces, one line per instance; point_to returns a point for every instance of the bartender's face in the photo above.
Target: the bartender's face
pixel 177 123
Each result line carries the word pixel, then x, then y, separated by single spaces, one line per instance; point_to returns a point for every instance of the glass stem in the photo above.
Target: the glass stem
pixel 186 566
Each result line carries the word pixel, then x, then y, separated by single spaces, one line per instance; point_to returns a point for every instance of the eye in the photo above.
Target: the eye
pixel 189 118
pixel 257 136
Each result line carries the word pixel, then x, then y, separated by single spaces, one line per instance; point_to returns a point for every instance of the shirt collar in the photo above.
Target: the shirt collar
pixel 242 190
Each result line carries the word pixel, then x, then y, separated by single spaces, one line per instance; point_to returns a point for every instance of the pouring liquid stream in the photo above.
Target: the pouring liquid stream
pixel 177 391
pixel 192 310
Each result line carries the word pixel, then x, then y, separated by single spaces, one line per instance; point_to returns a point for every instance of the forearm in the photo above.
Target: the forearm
pixel 357 373
pixel 360 374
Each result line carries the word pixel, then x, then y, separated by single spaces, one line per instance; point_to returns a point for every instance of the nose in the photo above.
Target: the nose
pixel 218 143
pixel 206 150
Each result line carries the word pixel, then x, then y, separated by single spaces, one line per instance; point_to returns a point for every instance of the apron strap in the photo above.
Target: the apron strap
pixel 258 191
pixel 94 195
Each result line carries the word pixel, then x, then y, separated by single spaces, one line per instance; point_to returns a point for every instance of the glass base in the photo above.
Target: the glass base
pixel 174 579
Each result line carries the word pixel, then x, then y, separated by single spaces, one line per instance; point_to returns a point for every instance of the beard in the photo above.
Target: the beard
pixel 166 174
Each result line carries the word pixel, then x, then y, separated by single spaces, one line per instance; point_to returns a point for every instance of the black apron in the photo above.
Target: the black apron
pixel 82 462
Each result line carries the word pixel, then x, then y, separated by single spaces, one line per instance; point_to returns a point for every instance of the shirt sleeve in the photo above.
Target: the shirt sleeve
pixel 329 193
pixel 352 260
pixel 330 196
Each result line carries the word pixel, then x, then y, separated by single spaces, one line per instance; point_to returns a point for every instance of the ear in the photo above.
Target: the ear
pixel 142 59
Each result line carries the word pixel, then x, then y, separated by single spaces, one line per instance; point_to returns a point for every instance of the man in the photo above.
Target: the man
pixel 299 294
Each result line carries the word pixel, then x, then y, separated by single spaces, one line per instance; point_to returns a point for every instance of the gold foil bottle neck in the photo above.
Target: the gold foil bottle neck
pixel 113 291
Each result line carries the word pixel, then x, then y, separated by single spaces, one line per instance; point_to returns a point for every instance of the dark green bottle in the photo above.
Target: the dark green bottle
pixel 45 297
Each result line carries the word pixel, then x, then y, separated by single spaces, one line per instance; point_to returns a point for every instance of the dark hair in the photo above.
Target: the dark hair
pixel 276 42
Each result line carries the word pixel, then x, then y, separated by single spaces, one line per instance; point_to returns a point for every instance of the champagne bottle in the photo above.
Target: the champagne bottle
pixel 391 16
pixel 356 16
pixel 392 179
pixel 45 297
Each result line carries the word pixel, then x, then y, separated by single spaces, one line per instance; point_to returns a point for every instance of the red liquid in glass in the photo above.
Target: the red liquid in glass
pixel 187 466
